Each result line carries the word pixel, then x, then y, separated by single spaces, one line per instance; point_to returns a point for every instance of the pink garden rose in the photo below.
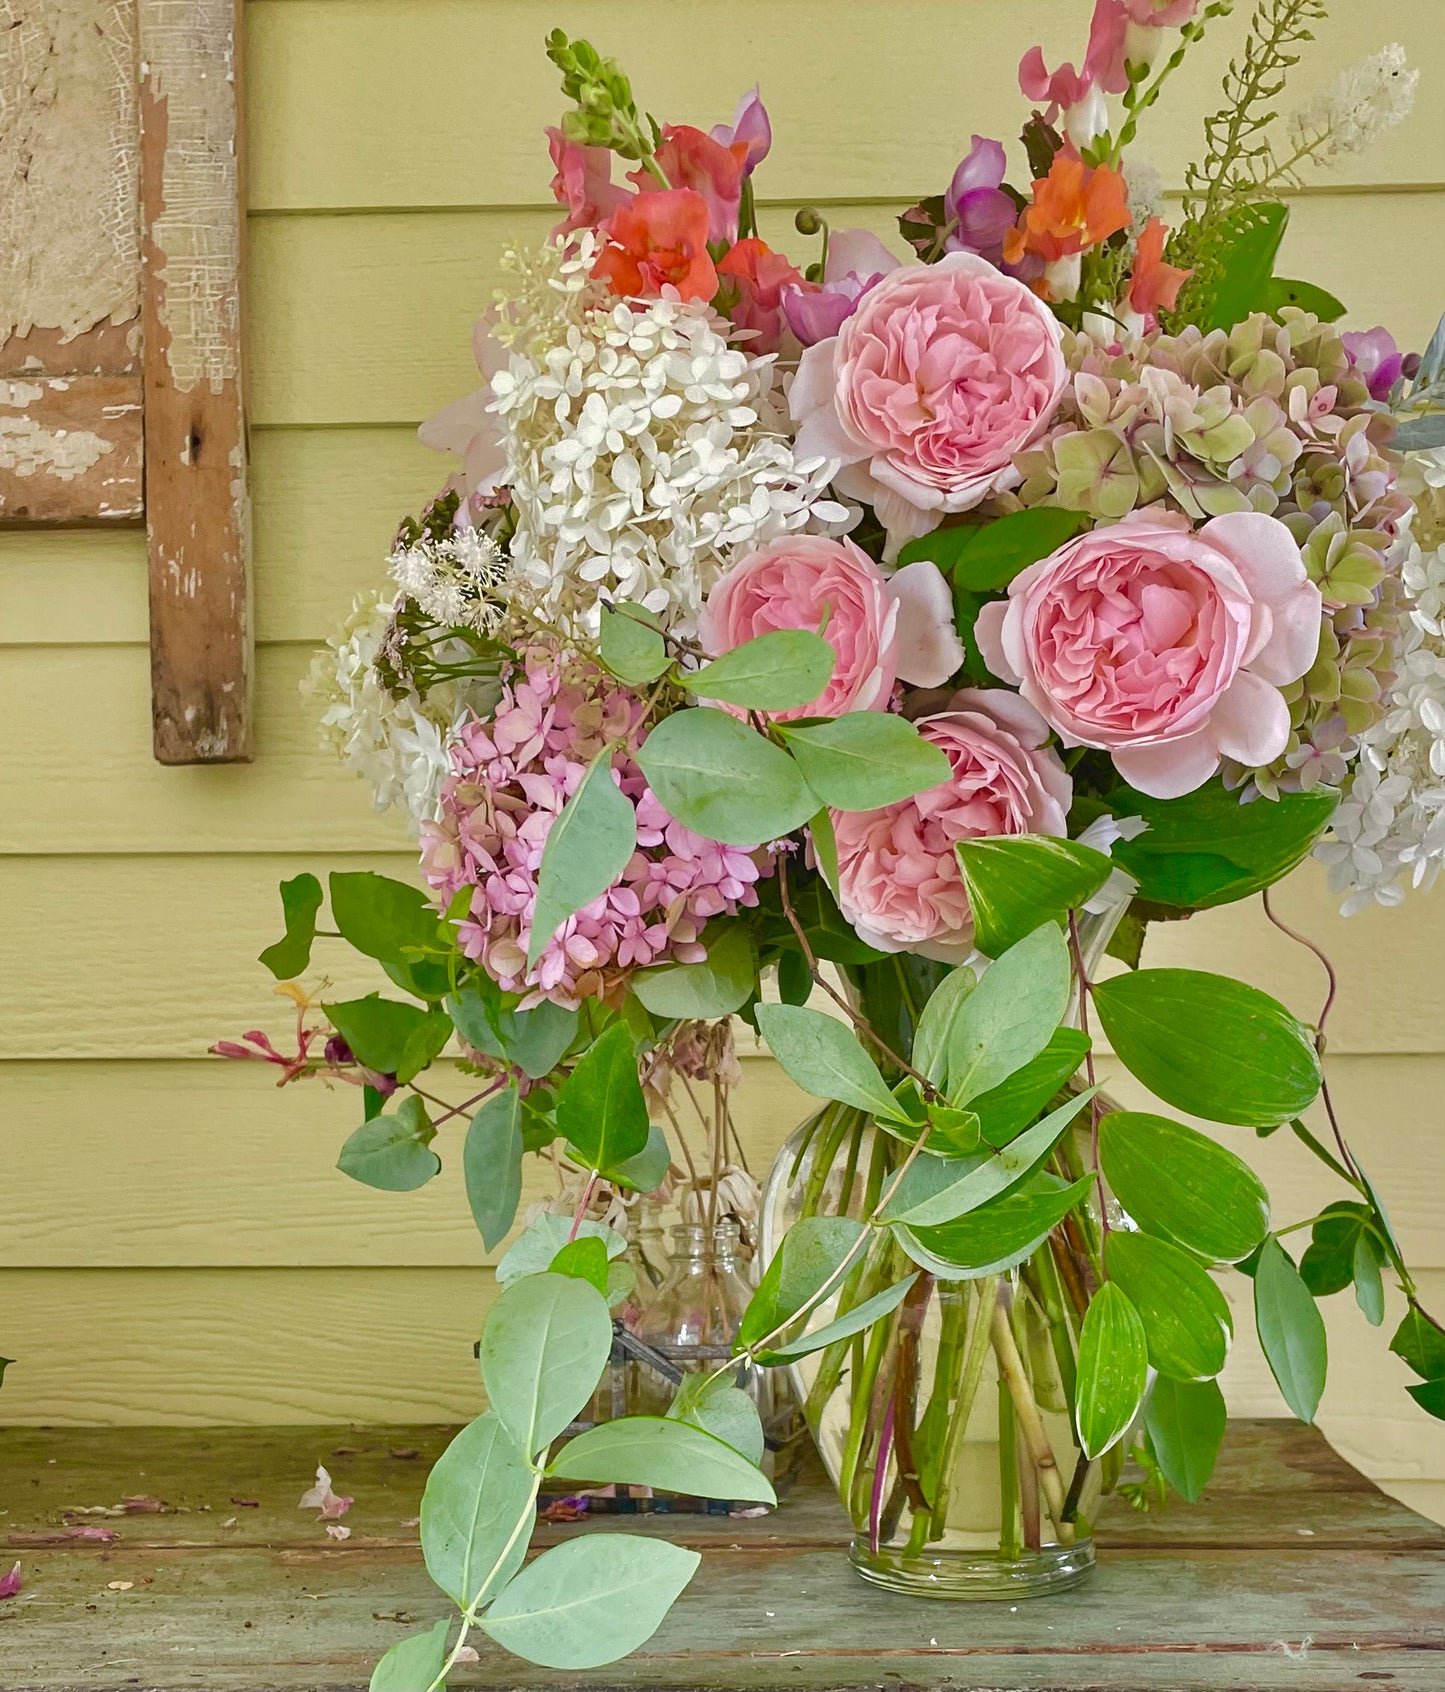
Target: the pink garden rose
pixel 899 882
pixel 928 390
pixel 1165 647
pixel 881 627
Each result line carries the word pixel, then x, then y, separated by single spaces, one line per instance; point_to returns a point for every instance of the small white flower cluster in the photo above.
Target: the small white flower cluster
pixel 1390 826
pixel 1359 107
pixel 643 450
pixel 398 746
pixel 459 581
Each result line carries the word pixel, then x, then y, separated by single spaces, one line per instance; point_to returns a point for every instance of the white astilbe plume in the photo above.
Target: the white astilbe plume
pixel 457 581
pixel 643 451
pixel 398 746
pixel 1360 105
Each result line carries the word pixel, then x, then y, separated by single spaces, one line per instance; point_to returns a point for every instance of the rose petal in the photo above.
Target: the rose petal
pixel 929 650
pixel 1171 770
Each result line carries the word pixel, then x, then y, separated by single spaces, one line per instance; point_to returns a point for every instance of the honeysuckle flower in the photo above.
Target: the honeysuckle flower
pixel 657 242
pixel 1376 359
pixel 688 158
pixel 976 205
pixel 1154 285
pixel 857 261
pixel 760 280
pixel 1075 207
pixel 583 182
pixel 751 126
pixel 324 1498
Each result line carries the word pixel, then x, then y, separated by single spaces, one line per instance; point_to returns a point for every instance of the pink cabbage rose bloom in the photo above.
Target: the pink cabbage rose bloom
pixel 1165 647
pixel 928 390
pixel 881 627
pixel 899 883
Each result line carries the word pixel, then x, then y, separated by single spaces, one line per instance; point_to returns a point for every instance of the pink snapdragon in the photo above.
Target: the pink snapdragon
pixel 857 262
pixel 690 159
pixel 582 182
pixel 976 205
pixel 513 774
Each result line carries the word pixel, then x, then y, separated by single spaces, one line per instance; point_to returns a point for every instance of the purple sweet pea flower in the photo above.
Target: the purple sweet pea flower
pixel 857 261
pixel 1378 362
pixel 750 124
pixel 975 203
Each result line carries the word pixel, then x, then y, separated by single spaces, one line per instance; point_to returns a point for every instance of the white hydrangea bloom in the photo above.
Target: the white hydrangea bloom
pixel 398 746
pixel 643 451
pixel 1360 105
pixel 1389 830
pixel 458 581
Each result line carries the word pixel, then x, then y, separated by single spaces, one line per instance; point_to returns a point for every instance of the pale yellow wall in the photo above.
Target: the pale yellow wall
pixel 175 1244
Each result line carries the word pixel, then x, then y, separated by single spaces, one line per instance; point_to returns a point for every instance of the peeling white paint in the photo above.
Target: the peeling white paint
pixel 28 448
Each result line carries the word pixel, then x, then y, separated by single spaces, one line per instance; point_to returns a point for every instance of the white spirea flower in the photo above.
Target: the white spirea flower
pixel 1358 108
pixel 399 746
pixel 1389 829
pixel 458 581
pixel 643 452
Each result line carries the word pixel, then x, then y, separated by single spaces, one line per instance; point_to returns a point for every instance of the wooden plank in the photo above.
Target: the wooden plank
pixel 197 509
pixel 79 1194
pixel 368 318
pixel 70 449
pixel 389 129
pixel 108 349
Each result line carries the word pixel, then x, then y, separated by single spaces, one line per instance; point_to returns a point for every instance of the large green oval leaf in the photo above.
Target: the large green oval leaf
pixel 587 848
pixel 778 671
pixel 656 1451
pixel 393 1153
pixel 601 1111
pixel 492 1165
pixel 1211 1046
pixel 1006 1110
pixel 629 645
pixel 543 1349
pixel 1016 882
pixel 1185 1315
pixel 718 986
pixel 1010 1017
pixel 865 760
pixel 1185 1421
pixel 825 1058
pixel 476 1512
pixel 1001 1235
pixel 412 1662
pixel 589 1601
pixel 1178 1182
pixel 723 781
pixel 813 1251
pixel 1113 1368
pixel 1291 1330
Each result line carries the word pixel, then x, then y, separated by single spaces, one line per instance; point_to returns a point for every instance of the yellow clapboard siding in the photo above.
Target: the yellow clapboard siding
pixel 341 300
pixel 865 100
pixel 179 936
pixel 72 585
pixel 76 768
pixel 181 1348
pixel 250 1176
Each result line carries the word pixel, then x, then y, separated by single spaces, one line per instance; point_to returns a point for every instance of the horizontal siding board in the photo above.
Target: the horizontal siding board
pixel 910 82
pixel 368 319
pixel 249 1176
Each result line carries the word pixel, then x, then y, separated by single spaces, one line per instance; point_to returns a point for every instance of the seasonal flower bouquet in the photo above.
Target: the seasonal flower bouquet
pixel 854 648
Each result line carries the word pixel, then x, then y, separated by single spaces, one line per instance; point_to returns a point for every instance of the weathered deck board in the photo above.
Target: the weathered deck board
pixel 1289 1548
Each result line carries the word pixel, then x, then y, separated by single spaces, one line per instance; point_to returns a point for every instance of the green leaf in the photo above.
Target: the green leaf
pixel 1420 434
pixel 412 1662
pixel 545 1344
pixel 825 1058
pixel 1011 1015
pixel 492 1165
pixel 584 1259
pixel 998 1237
pixel 1430 1396
pixel 935 1027
pixel 392 922
pixel 1113 1369
pixel 300 901
pixel 629 647
pixel 1291 1330
pixel 646 1172
pixel 1015 882
pixel 1369 1257
pixel 714 1404
pixel 701 992
pixel 393 1152
pixel 1328 1264
pixel 779 671
pixel 600 1109
pixel 1420 1342
pixel 1252 236
pixel 865 760
pixel 1006 1110
pixel 722 780
pixel 477 1495
pixel 589 1601
pixel 391 1037
pixel 854 1321
pixel 812 1252
pixel 1179 1183
pixel 956 1133
pixel 1208 849
pixel 996 1174
pixel 1185 1421
pixel 668 1453
pixel 825 849
pixel 1210 1046
pixel 588 846
pixel 1185 1315
pixel 534 1040
pixel 532 1252
pixel 986 557
pixel 1307 296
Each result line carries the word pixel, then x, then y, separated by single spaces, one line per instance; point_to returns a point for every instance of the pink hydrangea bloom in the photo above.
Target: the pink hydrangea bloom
pixel 513 774
pixel 899 881
pixel 1165 647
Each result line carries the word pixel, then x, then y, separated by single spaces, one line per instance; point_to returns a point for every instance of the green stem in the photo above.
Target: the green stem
pixel 975 1355
pixel 1030 1418
pixel 1008 1476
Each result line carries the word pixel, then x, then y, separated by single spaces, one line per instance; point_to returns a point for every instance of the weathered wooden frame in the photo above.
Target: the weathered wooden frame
pixel 144 417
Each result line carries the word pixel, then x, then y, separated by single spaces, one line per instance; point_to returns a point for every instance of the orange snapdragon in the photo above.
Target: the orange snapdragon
pixel 1154 286
pixel 1075 207
pixel 656 241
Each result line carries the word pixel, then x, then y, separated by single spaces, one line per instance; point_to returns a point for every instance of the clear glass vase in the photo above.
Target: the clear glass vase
pixel 947 1428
